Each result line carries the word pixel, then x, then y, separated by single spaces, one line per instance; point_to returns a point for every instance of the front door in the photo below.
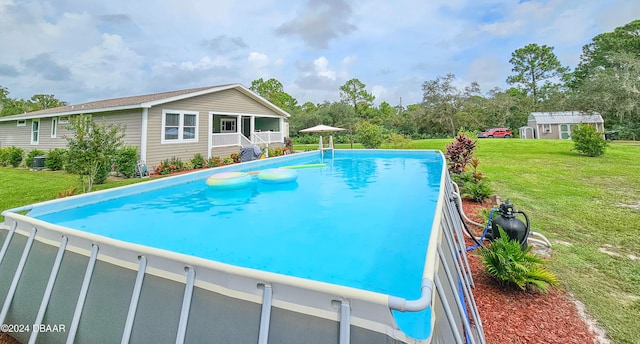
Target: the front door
pixel 246 126
pixel 565 132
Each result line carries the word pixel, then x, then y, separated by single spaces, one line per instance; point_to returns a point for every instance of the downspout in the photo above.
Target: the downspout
pixel 143 135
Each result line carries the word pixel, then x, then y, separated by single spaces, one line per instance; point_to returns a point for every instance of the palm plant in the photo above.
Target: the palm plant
pixel 506 262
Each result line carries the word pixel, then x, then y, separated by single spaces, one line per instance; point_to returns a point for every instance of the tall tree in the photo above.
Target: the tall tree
pixel 537 70
pixel 273 91
pixel 45 101
pixel 598 54
pixel 354 94
pixel 442 101
pixel 614 92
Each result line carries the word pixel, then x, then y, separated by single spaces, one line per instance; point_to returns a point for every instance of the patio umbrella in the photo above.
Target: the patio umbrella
pixel 321 129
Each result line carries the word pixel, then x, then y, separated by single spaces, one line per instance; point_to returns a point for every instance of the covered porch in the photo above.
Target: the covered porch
pixel 228 130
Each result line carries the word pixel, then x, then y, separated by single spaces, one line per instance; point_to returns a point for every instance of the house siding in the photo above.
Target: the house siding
pixel 228 101
pixel 223 152
pixel 11 135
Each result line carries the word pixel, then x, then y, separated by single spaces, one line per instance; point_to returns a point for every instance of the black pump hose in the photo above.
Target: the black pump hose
pixel 465 224
pixel 526 236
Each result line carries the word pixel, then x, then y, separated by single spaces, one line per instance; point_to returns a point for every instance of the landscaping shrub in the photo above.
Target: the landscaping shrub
pixel 169 166
pixel 214 161
pixel 459 153
pixel 56 159
pixel 276 152
pixel 11 156
pixel 398 141
pixel 508 264
pixel 102 173
pixel 476 190
pixel 227 161
pixel 370 135
pixel 235 157
pixel 32 154
pixel 126 161
pixel 4 156
pixel 587 140
pixel 198 161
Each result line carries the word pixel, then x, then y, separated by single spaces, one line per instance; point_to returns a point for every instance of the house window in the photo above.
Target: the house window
pixel 546 128
pixel 179 126
pixel 22 122
pixel 54 127
pixel 63 120
pixel 227 125
pixel 35 131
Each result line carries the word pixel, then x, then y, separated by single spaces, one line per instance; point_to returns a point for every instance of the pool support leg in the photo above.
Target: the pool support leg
pixel 265 315
pixel 16 276
pixel 47 292
pixel 73 328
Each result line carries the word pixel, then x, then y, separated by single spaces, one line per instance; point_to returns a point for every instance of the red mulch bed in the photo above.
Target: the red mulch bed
pixel 511 315
pixel 523 317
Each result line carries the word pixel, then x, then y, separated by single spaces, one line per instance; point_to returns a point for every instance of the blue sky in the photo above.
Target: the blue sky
pixel 89 50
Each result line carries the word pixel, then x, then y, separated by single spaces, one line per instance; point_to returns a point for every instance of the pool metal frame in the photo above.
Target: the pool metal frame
pixel 348 315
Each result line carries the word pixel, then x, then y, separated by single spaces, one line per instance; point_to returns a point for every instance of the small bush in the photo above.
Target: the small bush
pixel 370 135
pixel 275 152
pixel 227 161
pixel 588 141
pixel 507 263
pixel 169 166
pixel 102 173
pixel 126 161
pixel 398 141
pixel 11 156
pixel 198 161
pixel 32 154
pixel 459 153
pixel 56 159
pixel 214 161
pixel 477 191
pixel 235 157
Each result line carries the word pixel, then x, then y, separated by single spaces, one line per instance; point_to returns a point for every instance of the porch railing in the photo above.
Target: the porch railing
pixel 237 139
pixel 225 139
pixel 269 136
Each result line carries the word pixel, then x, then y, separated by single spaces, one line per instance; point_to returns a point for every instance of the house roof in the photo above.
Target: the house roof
pixel 565 117
pixel 143 101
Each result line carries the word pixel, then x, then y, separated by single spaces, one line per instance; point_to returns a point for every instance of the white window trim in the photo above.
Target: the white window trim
pixel 63 120
pixel 54 127
pixel 32 131
pixel 180 138
pixel 235 124
pixel 546 128
pixel 22 122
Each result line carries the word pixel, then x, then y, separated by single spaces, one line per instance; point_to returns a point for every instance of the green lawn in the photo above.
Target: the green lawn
pixel 20 186
pixel 585 206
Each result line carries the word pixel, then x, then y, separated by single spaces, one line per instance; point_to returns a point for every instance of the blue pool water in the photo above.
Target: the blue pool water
pixel 362 221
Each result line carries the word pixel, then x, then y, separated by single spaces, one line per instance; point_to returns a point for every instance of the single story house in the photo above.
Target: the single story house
pixel 212 121
pixel 557 125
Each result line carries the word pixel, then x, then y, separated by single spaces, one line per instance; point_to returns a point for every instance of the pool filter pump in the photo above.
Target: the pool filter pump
pixel 510 224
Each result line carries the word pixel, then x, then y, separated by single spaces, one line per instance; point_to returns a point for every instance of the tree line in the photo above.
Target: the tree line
pixel 606 80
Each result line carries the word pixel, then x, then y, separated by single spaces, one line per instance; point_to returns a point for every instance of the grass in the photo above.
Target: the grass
pixel 583 205
pixel 20 186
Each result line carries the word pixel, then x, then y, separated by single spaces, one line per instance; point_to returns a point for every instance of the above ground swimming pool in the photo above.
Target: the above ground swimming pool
pixel 350 243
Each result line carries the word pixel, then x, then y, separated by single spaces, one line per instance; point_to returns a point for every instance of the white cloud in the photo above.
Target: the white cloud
pixel 322 68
